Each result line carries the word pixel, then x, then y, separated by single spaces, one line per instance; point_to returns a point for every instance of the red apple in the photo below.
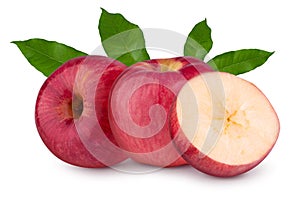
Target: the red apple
pixel 223 125
pixel 139 105
pixel 71 112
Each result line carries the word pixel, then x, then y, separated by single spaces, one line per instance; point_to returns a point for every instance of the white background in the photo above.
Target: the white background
pixel 29 170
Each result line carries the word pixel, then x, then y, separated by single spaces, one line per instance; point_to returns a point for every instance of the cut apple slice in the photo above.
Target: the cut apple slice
pixel 223 125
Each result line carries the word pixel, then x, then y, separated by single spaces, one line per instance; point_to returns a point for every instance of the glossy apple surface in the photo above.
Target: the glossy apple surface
pixel 139 105
pixel 71 112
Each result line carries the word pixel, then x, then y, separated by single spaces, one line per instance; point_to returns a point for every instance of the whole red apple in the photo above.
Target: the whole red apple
pixel 71 112
pixel 139 105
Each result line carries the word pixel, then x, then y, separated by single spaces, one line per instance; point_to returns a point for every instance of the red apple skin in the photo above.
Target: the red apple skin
pixel 65 113
pixel 139 105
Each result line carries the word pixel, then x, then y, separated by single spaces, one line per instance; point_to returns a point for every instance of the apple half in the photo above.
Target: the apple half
pixel 223 125
pixel 71 112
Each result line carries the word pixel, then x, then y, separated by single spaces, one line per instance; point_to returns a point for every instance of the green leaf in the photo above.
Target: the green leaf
pixel 46 56
pixel 121 39
pixel 199 41
pixel 241 61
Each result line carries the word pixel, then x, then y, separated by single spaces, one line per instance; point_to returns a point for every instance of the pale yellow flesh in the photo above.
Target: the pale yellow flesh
pixel 227 118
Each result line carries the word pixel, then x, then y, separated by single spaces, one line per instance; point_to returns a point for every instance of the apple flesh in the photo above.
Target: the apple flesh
pixel 223 125
pixel 139 105
pixel 68 118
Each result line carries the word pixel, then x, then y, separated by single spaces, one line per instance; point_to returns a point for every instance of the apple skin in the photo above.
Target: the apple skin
pixel 70 124
pixel 139 105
